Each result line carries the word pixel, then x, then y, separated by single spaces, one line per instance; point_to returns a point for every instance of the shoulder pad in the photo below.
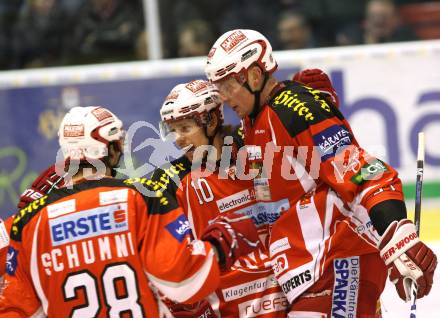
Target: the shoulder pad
pixel 299 106
pixel 24 216
pixel 159 189
pixel 169 176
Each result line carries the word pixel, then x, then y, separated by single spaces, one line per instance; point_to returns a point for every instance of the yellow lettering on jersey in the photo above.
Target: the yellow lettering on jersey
pixel 287 98
pixel 28 209
pixel 318 98
pixel 160 184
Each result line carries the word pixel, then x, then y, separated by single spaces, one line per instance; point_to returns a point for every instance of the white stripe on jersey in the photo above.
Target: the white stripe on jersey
pixel 184 290
pixel 328 217
pixel 38 314
pixel 304 178
pixel 189 212
pixel 272 132
pixel 34 268
pixel 215 303
pixel 358 219
pixel 312 231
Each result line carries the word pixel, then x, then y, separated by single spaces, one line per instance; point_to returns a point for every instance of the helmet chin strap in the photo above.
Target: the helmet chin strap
pixel 113 168
pixel 257 95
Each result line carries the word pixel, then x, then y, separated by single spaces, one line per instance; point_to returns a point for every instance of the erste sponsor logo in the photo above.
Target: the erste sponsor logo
pixel 88 223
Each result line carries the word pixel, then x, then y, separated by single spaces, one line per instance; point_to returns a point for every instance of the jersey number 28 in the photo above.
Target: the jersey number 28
pixel 116 274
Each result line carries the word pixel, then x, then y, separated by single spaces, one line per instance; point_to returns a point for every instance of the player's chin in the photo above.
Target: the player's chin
pixel 236 109
pixel 189 154
pixel 240 113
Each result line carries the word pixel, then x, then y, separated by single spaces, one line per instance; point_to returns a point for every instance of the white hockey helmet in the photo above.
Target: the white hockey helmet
pixel 235 51
pixel 194 100
pixel 85 133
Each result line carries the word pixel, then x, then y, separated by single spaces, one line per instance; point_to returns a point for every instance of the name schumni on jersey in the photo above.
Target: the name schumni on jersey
pixel 76 255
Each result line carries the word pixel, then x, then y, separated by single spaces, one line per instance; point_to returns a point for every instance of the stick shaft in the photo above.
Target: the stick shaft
pixel 419 180
pixel 418 208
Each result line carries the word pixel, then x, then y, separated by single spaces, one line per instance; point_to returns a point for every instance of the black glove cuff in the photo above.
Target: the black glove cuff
pixel 220 252
pixel 385 212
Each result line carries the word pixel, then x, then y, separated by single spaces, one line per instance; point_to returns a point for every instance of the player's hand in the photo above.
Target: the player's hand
pixel 42 185
pixel 317 79
pixel 407 258
pixel 200 309
pixel 233 235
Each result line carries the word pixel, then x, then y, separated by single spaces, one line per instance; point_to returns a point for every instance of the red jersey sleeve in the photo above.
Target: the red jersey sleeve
pixel 184 270
pixel 19 298
pixel 334 155
pixel 5 228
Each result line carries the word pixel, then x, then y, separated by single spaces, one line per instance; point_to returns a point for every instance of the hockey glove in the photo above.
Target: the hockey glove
pixel 41 186
pixel 233 235
pixel 200 309
pixel 317 79
pixel 407 258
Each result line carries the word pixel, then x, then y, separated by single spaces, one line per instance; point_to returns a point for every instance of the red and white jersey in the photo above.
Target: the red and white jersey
pixel 299 140
pixel 324 231
pixel 303 150
pixel 248 289
pixel 5 228
pixel 94 250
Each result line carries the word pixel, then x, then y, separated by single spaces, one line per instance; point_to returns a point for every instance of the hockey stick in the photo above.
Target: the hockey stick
pixel 418 206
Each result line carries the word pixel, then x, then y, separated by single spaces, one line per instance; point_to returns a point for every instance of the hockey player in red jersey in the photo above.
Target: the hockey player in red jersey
pixel 42 185
pixel 92 248
pixel 5 228
pixel 301 146
pixel 208 187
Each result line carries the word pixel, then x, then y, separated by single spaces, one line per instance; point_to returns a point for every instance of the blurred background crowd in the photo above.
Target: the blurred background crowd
pixel 41 33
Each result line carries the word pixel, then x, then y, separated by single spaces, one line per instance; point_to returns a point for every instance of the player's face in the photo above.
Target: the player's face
pixel 236 96
pixel 189 136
